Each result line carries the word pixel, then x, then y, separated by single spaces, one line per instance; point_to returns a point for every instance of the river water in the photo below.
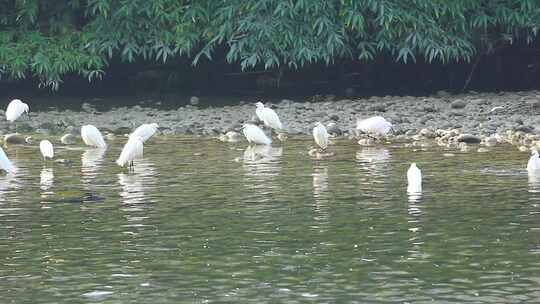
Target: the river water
pixel 200 221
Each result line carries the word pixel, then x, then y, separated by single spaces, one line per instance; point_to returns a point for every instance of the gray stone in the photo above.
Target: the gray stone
pixel 458 104
pixel 469 138
pixel 14 138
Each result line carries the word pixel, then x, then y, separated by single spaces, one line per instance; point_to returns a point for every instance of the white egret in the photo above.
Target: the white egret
pixel 414 179
pixel 92 137
pixel 46 149
pixel 145 131
pixel 132 150
pixel 375 125
pixel 255 135
pixel 320 135
pixel 268 116
pixel 534 162
pixel 15 109
pixel 5 163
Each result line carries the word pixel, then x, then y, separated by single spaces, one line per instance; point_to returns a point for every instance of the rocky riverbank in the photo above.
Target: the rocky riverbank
pixel 467 118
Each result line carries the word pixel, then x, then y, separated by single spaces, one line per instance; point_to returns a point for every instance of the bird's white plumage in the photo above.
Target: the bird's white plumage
pixel 533 165
pixel 320 135
pixel 92 137
pixel 414 179
pixel 376 125
pixel 5 163
pixel 255 135
pixel 268 116
pixel 132 150
pixel 46 149
pixel 145 131
pixel 15 109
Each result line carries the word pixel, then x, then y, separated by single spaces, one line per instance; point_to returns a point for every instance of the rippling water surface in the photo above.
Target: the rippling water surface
pixel 200 221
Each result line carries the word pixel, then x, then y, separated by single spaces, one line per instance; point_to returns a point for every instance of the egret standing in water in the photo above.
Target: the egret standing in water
pixel 533 166
pixel 375 125
pixel 268 116
pixel 92 137
pixel 145 131
pixel 132 150
pixel 255 135
pixel 46 149
pixel 15 109
pixel 5 163
pixel 320 135
pixel 414 179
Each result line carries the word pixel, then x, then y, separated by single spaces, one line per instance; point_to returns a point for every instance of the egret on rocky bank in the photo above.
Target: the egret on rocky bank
pixel 145 131
pixel 255 135
pixel 46 149
pixel 5 163
pixel 414 179
pixel 132 150
pixel 268 116
pixel 375 125
pixel 533 165
pixel 320 135
pixel 92 137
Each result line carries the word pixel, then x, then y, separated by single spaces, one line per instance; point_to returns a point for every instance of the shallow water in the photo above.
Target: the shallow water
pixel 201 221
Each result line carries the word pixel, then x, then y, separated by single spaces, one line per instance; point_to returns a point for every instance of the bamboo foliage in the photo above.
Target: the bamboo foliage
pixel 49 39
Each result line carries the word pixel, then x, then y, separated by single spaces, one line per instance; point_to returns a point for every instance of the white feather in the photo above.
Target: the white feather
pixel 376 125
pixel 46 149
pixel 132 150
pixel 534 162
pixel 320 135
pixel 414 179
pixel 5 163
pixel 92 137
pixel 145 131
pixel 255 135
pixel 268 116
pixel 15 109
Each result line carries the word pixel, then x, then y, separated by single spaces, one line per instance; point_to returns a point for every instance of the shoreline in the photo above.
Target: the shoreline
pixel 454 120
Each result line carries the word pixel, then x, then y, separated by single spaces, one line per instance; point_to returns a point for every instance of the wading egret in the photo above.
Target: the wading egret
pixel 145 131
pixel 255 135
pixel 92 137
pixel 5 163
pixel 46 149
pixel 414 179
pixel 132 150
pixel 15 109
pixel 268 116
pixel 375 125
pixel 320 135
pixel 534 162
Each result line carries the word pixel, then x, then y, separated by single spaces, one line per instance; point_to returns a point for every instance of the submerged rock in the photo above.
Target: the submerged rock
pixel 68 139
pixel 14 138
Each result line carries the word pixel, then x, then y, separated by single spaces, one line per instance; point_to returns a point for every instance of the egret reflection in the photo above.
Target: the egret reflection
pixel 321 194
pixel 374 160
pixel 9 183
pixel 46 179
pixel 135 184
pixel 261 165
pixel 91 160
pixel 534 181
